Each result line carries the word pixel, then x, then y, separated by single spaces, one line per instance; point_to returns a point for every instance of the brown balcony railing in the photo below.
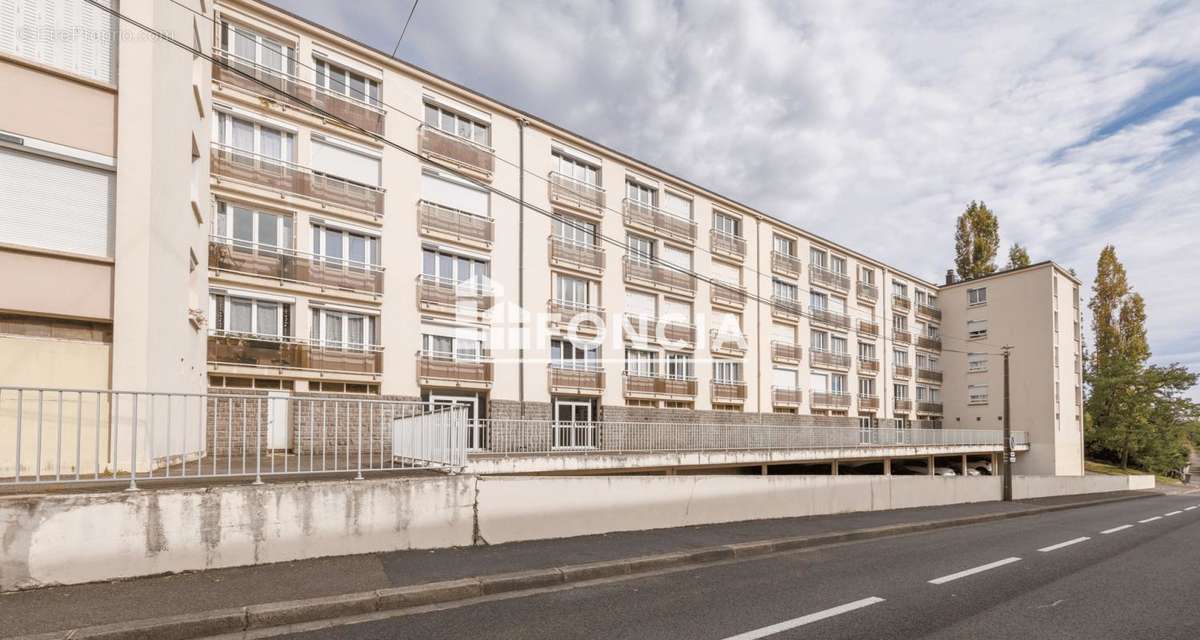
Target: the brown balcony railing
pixel 828 359
pixel 902 371
pixel 868 291
pixel 786 308
pixel 901 303
pixel 726 343
pixel 448 368
pixel 581 380
pixel 350 109
pixel 785 265
pixel 584 318
pixel 236 256
pixel 830 318
pixel 578 194
pixel 866 327
pixel 868 365
pixel 723 391
pixel 227 347
pixel 868 402
pixel 831 400
pixel 903 404
pixel 827 278
pixel 647 329
pixel 786 351
pixel 434 219
pixel 929 407
pixel 728 295
pixel 900 336
pixel 932 344
pixel 930 312
pixel 447 147
pixel 579 255
pixel 929 375
pixel 652 385
pixel 270 173
pixel 448 296
pixel 659 220
pixel 727 244
pixel 787 396
pixel 660 276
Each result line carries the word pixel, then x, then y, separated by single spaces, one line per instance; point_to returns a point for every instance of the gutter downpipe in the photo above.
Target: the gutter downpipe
pixel 521 123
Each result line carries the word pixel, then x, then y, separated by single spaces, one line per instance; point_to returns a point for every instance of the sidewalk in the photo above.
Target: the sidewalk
pixel 69 607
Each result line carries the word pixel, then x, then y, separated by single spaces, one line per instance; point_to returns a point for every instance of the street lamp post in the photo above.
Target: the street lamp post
pixel 1006 485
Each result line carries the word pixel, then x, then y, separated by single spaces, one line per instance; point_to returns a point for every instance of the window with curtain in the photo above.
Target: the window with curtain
pixel 457 124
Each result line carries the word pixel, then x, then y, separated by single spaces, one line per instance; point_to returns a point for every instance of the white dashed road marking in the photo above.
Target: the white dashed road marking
pixel 803 620
pixel 1055 547
pixel 1173 513
pixel 971 572
pixel 1189 508
pixel 1116 529
pixel 1149 519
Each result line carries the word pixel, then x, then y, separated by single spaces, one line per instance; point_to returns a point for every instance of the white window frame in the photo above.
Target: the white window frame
pixel 728 371
pixel 450 122
pixel 977 333
pixel 320 245
pixel 323 78
pixel 727 224
pixel 977 394
pixel 977 296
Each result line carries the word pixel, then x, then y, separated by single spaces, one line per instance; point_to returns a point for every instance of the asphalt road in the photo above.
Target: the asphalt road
pixel 1033 577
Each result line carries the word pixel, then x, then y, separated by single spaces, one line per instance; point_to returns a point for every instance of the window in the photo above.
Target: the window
pixel 726 273
pixel 785 290
pixel 248 227
pixel 837 344
pixel 900 391
pixel 927 362
pixel 782 332
pixel 344 160
pixel 344 82
pixel 450 268
pixel 819 341
pixel 899 289
pixel 677 205
pixel 248 136
pixel 26 30
pixel 640 249
pixel 977 362
pixel 837 383
pixel 866 351
pixel 727 224
pixel 837 264
pixel 900 357
pixel 254 50
pixel 641 194
pixel 575 169
pixel 677 257
pixel 933 331
pixel 451 347
pixel 977 296
pixel 786 246
pixel 571 291
pixel 575 231
pixel 866 386
pixel 334 245
pixel 55 205
pixel 450 192
pixel 677 311
pixel 977 329
pixel 868 422
pixel 818 301
pixel 243 314
pixel 727 371
pixel 817 257
pixel 457 124
pixel 866 275
pixel 680 366
pixel 900 322
pixel 641 304
pixel 565 354
pixel 977 394
pixel 784 378
pixel 337 328
pixel 641 363
pixel 818 382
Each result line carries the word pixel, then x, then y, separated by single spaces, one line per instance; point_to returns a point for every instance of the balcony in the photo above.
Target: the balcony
pixel 786 308
pixel 655 386
pixel 901 303
pixel 929 312
pixel 830 319
pixel 787 396
pixel 576 194
pixel 727 392
pixel 931 344
pixel 929 375
pixel 236 256
pixel 653 219
pixel 658 276
pixel 727 295
pixel 356 112
pixel 457 151
pixel 902 371
pixel 868 328
pixel 576 255
pixel 785 265
pixel 435 369
pixel 829 360
pixel 827 278
pixel 727 244
pixel 463 299
pixel 644 329
pixel 867 292
pixel 929 407
pixel 586 380
pixel 277 175
pixel 900 336
pixel 868 365
pixel 576 318
pixel 902 404
pixel 436 221
pixel 285 352
pixel 730 344
pixel 786 351
pixel 868 402
pixel 830 400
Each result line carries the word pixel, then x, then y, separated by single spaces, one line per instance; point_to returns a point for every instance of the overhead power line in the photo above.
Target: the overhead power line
pixel 405 29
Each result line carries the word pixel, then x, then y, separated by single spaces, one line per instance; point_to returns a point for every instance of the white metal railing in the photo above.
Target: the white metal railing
pixel 256 69
pixel 87 435
pixel 508 437
pixel 284 263
pixel 574 189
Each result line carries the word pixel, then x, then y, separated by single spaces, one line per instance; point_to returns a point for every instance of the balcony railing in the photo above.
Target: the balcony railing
pixel 828 359
pixel 237 256
pixel 901 303
pixel 782 351
pixel 658 220
pixel 785 265
pixel 867 291
pixel 787 396
pixel 826 278
pixel 726 343
pixel 929 375
pixel 649 329
pixel 868 328
pixel 902 371
pixel 727 244
pixel 929 407
pixel 829 318
pixel 903 404
pixel 455 150
pixel 450 369
pixel 448 296
pixel 727 295
pixel 578 255
pixel 436 220
pixel 728 391
pixel 932 344
pixel 568 191
pixel 868 402
pixel 658 386
pixel 582 318
pixel 659 276
pixel 270 173
pixel 786 308
pixel 868 365
pixel 352 110
pixel 928 311
pixel 830 399
pixel 285 352
pixel 900 336
pixel 571 379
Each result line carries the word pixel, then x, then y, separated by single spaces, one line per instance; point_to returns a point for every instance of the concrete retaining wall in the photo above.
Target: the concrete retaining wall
pixel 1025 487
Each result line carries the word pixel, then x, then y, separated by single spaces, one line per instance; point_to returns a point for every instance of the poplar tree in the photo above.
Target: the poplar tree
pixel 976 240
pixel 1018 257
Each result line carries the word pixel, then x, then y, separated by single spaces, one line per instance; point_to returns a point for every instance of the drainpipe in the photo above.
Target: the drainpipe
pixel 521 122
pixel 758 316
pixel 884 320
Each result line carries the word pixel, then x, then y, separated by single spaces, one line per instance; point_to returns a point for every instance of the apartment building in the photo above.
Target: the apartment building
pixel 333 221
pixel 1036 311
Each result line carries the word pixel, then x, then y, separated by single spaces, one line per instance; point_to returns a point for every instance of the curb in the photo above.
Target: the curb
pixel 275 614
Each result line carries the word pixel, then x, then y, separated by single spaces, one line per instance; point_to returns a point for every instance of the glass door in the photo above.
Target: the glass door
pixel 574 427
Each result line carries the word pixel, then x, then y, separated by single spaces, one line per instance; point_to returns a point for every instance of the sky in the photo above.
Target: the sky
pixel 872 123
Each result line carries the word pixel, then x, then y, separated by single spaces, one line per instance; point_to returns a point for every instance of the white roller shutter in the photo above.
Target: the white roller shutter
pixel 340 161
pixel 454 194
pixel 784 378
pixel 87 42
pixel 726 273
pixel 677 310
pixel 818 382
pixel 640 304
pixel 51 204
pixel 681 207
pixel 783 332
pixel 677 257
pixel 837 305
pixel 727 323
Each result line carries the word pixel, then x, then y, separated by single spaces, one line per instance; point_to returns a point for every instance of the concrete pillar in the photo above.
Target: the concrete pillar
pixel 930 465
pixel 887 466
pixel 833 469
pixel 764 469
pixel 964 464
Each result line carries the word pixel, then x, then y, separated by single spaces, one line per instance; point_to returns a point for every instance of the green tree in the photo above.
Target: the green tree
pixel 1018 257
pixel 976 240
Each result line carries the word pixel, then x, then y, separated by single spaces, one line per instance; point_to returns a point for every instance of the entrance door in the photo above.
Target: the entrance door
pixel 476 430
pixel 279 420
pixel 573 425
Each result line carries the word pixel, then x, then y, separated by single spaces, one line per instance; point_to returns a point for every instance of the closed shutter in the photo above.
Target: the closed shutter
pixel 454 194
pixel 818 382
pixel 783 332
pixel 87 39
pixel 784 378
pixel 344 163
pixel 676 310
pixel 681 207
pixel 51 204
pixel 727 323
pixel 726 273
pixel 640 304
pixel 677 257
